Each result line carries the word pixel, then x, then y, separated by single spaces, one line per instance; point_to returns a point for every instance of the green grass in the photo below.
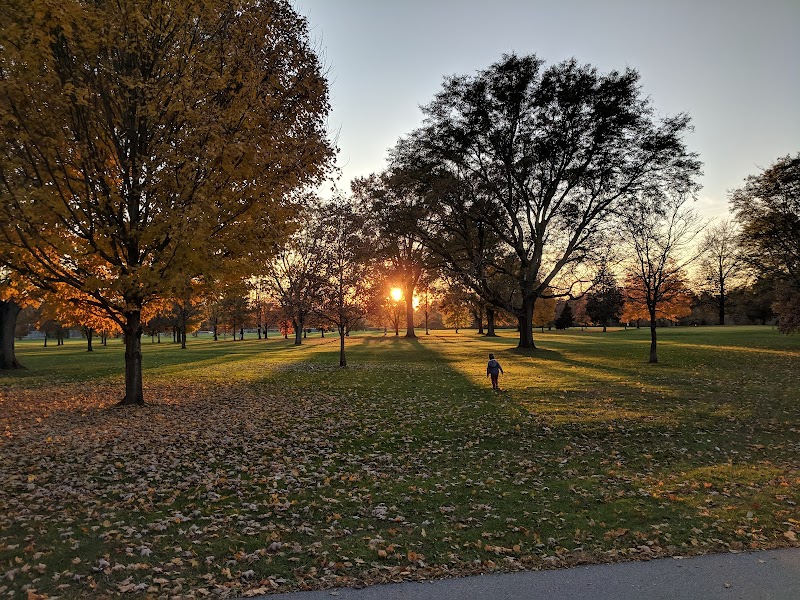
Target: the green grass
pixel 259 466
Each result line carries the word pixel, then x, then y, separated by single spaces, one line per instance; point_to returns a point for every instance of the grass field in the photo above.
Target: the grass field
pixel 258 466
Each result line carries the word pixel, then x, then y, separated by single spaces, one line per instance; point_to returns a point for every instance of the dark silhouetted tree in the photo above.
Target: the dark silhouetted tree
pixel 526 164
pixel 564 319
pixel 604 302
pixel 768 209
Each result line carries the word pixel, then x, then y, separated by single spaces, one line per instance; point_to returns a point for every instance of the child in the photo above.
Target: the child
pixel 494 369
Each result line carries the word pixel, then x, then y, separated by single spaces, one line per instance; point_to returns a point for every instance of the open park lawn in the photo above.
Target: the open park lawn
pixel 258 466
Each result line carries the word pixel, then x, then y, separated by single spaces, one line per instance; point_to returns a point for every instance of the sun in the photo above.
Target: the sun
pixel 397 294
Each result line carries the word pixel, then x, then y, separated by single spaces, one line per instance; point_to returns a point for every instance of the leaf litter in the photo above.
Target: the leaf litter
pixel 225 490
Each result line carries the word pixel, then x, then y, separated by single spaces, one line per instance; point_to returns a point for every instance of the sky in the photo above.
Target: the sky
pixel 732 65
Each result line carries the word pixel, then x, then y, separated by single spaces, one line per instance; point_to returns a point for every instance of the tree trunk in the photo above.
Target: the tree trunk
pixel 89 334
pixel 409 292
pixel 653 353
pixel 342 359
pixel 525 321
pixel 9 310
pixel 298 332
pixel 490 323
pixel 722 305
pixel 183 330
pixel 479 319
pixel 132 334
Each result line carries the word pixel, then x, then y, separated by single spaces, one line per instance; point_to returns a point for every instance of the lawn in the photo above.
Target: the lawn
pixel 258 466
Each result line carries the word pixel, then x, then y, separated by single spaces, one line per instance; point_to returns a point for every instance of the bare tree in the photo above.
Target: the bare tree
pixel 660 231
pixel 347 279
pixel 293 277
pixel 721 264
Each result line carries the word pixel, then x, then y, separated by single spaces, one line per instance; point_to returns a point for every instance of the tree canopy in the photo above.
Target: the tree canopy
pixel 147 142
pixel 527 163
pixel 768 209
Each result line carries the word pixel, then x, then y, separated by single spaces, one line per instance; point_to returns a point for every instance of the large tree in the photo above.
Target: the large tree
pixel 147 142
pixel 539 158
pixel 768 209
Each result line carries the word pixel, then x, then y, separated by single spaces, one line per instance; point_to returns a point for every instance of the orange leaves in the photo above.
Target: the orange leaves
pixel 615 533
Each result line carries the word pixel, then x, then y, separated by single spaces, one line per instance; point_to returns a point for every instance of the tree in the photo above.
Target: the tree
pixel 10 308
pixel 64 306
pixel 753 303
pixel 261 304
pixel 187 309
pixel 454 307
pixel 545 311
pixel 660 231
pixel 346 284
pixel 721 263
pixel 604 302
pixel 26 322
pixel 676 304
pixel 397 212
pixel 148 142
pixel 293 276
pixel 537 160
pixel 235 312
pixel 564 319
pixel 15 294
pixel 391 306
pixel 767 208
pixel 156 326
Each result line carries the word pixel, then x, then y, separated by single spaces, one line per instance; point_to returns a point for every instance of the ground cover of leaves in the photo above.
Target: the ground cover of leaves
pixel 259 467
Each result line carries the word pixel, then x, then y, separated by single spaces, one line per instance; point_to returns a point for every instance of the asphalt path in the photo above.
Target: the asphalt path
pixel 768 575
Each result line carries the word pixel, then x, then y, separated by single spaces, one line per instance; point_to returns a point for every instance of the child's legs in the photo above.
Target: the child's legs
pixel 494 379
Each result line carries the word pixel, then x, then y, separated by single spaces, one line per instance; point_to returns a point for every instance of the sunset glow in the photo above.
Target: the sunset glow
pixel 397 294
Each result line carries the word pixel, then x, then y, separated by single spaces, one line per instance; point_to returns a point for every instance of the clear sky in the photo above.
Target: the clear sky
pixel 733 65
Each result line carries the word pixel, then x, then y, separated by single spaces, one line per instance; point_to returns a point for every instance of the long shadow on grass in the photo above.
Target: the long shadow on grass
pixel 73 363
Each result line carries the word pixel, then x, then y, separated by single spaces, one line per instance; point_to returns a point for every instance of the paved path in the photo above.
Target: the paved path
pixel 770 575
